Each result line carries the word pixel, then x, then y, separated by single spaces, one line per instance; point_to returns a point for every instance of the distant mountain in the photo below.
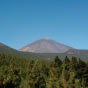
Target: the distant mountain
pixel 6 49
pixel 77 51
pixel 83 54
pixel 46 45
pixel 1 44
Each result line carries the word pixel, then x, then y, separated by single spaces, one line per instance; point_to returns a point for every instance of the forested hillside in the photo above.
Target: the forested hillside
pixel 18 72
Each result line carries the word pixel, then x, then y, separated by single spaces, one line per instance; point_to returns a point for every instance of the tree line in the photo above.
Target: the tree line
pixel 17 72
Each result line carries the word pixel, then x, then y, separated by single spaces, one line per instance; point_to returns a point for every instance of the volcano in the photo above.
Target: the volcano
pixel 46 45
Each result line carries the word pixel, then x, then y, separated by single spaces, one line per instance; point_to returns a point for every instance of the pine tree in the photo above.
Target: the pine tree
pixel 57 61
pixel 66 60
pixel 53 78
pixel 34 76
pixel 65 76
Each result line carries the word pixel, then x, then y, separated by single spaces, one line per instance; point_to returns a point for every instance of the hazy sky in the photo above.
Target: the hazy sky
pixel 24 21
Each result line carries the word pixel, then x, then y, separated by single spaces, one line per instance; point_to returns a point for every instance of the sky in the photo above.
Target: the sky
pixel 25 21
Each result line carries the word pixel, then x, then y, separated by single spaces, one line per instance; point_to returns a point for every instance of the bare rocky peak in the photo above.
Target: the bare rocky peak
pixel 47 38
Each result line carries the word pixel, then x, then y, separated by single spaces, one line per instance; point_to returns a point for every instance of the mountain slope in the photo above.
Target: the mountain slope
pixel 6 49
pixel 77 51
pixel 46 46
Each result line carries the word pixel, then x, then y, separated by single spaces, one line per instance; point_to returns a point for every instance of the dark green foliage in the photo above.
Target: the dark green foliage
pixel 66 60
pixel 58 62
pixel 17 72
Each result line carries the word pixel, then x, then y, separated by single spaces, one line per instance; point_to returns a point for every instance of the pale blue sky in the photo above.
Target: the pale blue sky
pixel 24 21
